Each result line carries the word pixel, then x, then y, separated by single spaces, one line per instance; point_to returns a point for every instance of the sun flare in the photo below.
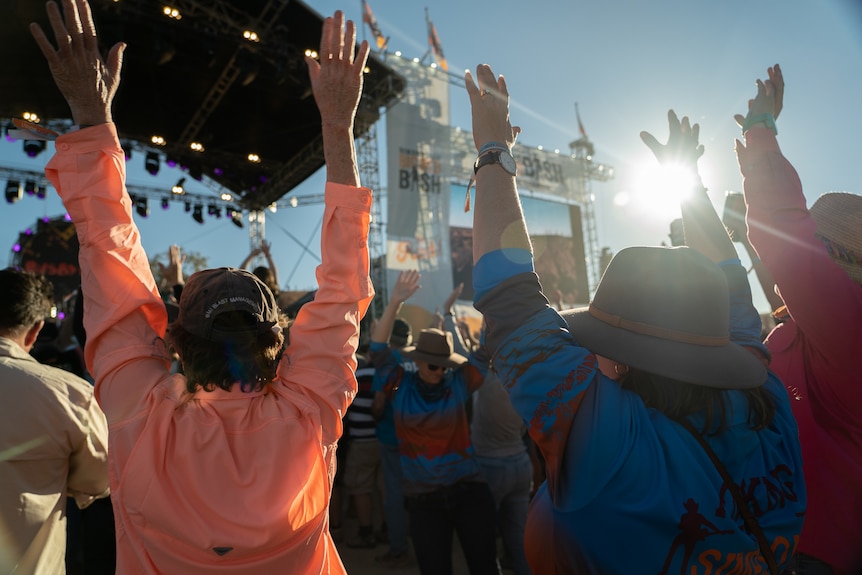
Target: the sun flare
pixel 658 190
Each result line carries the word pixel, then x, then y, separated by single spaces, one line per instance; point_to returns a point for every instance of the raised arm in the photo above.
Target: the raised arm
pixel 405 286
pixel 704 230
pixel 87 81
pixel 817 292
pixel 321 359
pixel 124 315
pixel 450 322
pixel 173 272
pixel 533 353
pixel 734 221
pixel 251 255
pixel 336 81
pixel 265 248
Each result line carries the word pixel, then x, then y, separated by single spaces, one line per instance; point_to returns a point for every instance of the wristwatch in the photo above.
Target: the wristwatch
pixel 502 157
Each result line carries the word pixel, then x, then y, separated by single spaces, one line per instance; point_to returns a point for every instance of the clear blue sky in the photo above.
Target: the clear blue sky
pixel 626 62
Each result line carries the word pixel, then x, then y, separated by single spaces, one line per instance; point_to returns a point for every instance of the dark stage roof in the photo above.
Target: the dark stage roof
pixel 197 79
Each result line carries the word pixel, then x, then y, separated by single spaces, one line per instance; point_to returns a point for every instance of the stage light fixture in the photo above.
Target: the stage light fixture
pixel 13 191
pixel 166 202
pixel 41 192
pixel 198 214
pixel 188 206
pixel 235 217
pixel 34 147
pixel 172 13
pixel 30 187
pixel 142 206
pixel 178 188
pixel 152 163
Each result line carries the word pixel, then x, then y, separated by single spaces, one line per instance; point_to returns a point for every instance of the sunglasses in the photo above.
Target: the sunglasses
pixel 433 367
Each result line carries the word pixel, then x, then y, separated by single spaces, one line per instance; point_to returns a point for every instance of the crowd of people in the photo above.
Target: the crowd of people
pixel 653 431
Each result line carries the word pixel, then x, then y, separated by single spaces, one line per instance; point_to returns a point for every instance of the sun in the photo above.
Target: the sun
pixel 658 190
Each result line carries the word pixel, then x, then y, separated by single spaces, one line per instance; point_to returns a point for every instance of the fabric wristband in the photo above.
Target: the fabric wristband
pixel 766 118
pixel 494 146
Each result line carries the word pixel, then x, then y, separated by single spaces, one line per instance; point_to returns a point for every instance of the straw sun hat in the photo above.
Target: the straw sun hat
pixel 838 216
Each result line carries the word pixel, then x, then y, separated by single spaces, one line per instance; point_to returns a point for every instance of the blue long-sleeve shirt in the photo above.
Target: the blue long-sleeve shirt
pixel 629 490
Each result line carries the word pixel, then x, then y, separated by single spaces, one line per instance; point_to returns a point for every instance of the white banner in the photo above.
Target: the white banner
pixel 419 163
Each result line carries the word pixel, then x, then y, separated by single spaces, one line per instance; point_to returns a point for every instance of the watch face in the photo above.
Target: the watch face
pixel 505 159
pixel 508 163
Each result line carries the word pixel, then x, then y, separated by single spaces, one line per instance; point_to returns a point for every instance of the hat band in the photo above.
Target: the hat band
pixel 839 252
pixel 655 331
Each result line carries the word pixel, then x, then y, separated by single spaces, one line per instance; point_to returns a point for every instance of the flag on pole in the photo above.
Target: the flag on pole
pixel 434 41
pixel 580 125
pixel 368 18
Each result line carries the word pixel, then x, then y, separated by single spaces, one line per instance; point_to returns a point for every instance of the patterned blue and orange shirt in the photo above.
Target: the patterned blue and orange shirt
pixel 628 490
pixel 430 422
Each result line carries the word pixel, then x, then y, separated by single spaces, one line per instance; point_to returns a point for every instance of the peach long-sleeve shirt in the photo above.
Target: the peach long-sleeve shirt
pixel 212 482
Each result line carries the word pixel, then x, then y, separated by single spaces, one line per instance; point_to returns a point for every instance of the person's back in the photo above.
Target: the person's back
pixel 228 467
pixel 652 406
pixel 53 440
pixel 814 257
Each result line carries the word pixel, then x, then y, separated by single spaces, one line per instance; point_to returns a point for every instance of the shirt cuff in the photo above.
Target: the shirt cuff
pixel 497 266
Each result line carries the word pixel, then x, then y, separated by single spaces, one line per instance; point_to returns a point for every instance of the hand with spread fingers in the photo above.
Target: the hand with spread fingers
pixel 406 285
pixel 682 146
pixel 490 104
pixel 336 79
pixel 87 81
pixel 769 99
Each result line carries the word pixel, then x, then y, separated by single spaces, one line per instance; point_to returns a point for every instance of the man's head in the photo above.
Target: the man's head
pixel 433 355
pixel 227 330
pixel 27 300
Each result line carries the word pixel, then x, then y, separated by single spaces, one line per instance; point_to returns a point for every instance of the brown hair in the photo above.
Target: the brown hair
pixel 249 360
pixel 27 299
pixel 677 400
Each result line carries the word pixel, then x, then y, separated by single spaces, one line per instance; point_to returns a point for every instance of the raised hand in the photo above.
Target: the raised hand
pixel 769 98
pixel 174 271
pixel 336 80
pixel 406 285
pixel 682 146
pixel 490 105
pixel 450 301
pixel 87 81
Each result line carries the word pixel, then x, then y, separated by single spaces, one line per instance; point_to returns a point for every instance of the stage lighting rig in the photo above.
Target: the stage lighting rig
pixel 34 147
pixel 13 191
pixel 152 163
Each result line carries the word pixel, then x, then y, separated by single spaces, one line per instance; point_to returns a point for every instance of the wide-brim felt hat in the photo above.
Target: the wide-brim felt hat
pixel 435 347
pixel 666 311
pixel 838 216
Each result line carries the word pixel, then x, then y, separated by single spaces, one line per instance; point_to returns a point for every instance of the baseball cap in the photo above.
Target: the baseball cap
pixel 210 293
